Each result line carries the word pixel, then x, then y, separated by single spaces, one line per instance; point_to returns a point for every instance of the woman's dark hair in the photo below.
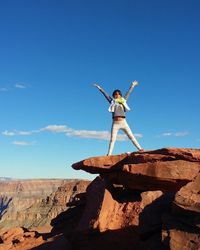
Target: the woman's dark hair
pixel 116 91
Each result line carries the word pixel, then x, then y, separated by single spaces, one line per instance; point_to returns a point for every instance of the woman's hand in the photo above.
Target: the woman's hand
pixel 96 85
pixel 134 83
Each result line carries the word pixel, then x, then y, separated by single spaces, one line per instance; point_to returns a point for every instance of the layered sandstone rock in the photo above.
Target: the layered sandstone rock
pixel 30 187
pixel 17 195
pixel 144 200
pixel 166 169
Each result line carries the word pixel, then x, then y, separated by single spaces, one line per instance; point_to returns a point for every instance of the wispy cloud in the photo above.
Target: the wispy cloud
pixel 184 133
pixel 26 132
pixel 20 86
pixel 138 135
pixel 56 128
pixel 92 134
pixel 167 134
pixel 7 133
pixel 14 133
pixel 23 143
pixel 101 135
pixel 175 134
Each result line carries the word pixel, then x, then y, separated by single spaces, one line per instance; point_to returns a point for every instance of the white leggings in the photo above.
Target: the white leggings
pixel 123 125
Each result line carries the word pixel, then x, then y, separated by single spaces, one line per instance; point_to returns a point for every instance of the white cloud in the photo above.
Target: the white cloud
pixel 138 135
pixel 176 134
pixel 167 134
pixel 7 133
pixel 93 134
pixel 20 86
pixel 101 135
pixel 184 133
pixel 23 143
pixel 56 128
pixel 17 86
pixel 25 132
pixel 13 133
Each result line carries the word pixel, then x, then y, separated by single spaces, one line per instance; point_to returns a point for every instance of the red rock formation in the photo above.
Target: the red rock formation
pixel 146 200
pixel 103 212
pixel 165 169
pixel 117 215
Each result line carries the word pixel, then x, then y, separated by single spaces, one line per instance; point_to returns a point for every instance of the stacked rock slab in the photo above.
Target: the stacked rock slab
pixel 142 200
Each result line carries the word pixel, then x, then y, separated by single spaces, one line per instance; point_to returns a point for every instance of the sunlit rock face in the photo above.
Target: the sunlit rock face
pixel 141 200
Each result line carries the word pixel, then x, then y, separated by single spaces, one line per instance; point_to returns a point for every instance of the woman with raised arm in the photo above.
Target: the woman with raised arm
pixel 119 107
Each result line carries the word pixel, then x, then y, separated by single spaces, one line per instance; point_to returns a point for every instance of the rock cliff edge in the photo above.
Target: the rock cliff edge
pixel 142 200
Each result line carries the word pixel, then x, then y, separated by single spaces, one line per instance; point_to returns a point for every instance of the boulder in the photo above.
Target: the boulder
pixel 186 205
pixel 103 212
pixel 188 198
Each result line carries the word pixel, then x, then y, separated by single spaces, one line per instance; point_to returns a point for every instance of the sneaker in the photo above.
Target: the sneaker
pixel 141 150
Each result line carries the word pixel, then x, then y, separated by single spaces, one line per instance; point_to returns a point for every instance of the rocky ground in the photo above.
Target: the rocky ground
pixel 144 200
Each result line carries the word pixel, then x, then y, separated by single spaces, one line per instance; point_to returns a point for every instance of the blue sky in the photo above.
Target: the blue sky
pixel 53 51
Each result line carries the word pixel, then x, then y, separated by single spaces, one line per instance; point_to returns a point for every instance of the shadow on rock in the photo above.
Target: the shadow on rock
pixel 58 242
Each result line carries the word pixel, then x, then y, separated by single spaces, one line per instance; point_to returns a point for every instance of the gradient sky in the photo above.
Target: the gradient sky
pixel 52 51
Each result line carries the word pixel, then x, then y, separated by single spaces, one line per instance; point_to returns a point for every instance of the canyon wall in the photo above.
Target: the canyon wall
pixel 33 203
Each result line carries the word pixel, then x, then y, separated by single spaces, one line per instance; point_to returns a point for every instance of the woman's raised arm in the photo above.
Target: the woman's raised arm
pixel 133 84
pixel 108 98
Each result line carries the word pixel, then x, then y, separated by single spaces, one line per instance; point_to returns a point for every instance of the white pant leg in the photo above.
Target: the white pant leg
pixel 115 128
pixel 130 135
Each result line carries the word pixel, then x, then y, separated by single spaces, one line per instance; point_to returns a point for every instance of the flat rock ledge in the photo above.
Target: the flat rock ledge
pixel 166 169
